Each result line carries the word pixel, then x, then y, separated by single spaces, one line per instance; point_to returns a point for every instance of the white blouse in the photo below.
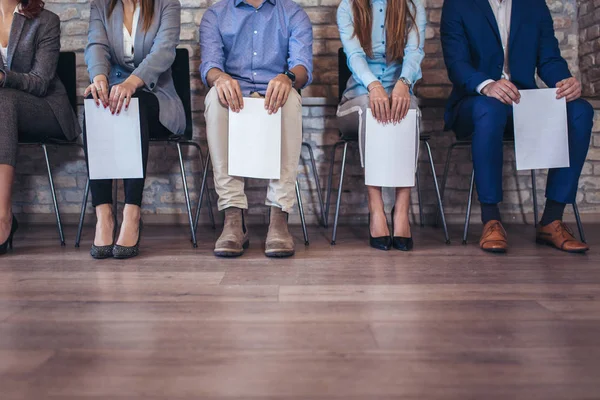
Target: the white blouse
pixel 129 39
pixel 4 52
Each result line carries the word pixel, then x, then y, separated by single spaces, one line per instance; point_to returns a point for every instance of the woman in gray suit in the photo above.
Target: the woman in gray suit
pixel 131 46
pixel 29 87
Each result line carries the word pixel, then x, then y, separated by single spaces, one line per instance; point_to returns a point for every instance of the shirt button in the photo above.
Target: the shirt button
pixel 254 74
pixel 382 26
pixel 379 77
pixel 381 10
pixel 255 32
pixel 382 42
pixel 254 53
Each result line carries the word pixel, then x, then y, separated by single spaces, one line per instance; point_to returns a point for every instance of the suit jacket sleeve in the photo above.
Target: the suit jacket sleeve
pixel 551 67
pixel 97 51
pixel 455 46
pixel 162 52
pixel 45 62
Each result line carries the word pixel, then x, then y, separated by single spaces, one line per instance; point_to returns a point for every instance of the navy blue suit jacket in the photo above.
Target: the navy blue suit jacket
pixel 473 49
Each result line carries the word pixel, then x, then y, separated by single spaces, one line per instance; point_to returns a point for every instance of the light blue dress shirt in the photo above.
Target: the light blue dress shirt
pixel 255 45
pixel 366 70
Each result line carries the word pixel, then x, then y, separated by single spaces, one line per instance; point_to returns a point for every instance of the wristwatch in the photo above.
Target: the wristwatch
pixel 290 75
pixel 406 82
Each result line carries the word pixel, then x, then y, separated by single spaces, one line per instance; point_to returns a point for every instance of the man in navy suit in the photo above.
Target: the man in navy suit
pixel 493 48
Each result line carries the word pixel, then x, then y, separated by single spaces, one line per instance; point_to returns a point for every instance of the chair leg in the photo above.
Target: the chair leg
pixel 211 216
pixel 579 224
pixel 202 190
pixel 317 182
pixel 418 182
pixel 534 198
pixel 437 191
pixel 468 215
pixel 445 178
pixel 54 201
pixel 339 198
pixel 82 215
pixel 187 196
pixel 330 182
pixel 301 210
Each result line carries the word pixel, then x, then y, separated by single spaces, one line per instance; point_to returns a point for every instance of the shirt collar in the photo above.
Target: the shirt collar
pixel 238 2
pixel 18 9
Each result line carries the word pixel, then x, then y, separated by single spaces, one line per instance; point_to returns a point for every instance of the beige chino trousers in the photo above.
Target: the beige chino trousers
pixel 230 189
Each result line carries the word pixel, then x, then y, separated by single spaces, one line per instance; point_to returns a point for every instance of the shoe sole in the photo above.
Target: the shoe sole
pixel 231 253
pixel 496 251
pixel 279 253
pixel 543 242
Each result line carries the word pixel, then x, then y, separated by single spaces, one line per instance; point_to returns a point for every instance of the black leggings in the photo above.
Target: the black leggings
pixel 150 127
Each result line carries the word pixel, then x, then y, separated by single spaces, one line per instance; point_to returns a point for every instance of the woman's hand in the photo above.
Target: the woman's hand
pixel 120 95
pixel 379 103
pixel 400 101
pixel 99 90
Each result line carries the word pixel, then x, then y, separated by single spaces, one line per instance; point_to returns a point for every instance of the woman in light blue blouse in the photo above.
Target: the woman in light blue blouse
pixel 383 41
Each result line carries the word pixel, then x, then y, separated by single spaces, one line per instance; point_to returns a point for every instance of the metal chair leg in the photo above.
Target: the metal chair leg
pixel 82 215
pixel 445 178
pixel 418 182
pixel 301 210
pixel 211 216
pixel 202 190
pixel 330 182
pixel 468 216
pixel 54 201
pixel 579 224
pixel 339 199
pixel 187 195
pixel 437 191
pixel 200 199
pixel 311 154
pixel 534 198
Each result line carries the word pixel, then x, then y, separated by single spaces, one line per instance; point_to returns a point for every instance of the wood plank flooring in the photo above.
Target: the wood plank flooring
pixel 341 322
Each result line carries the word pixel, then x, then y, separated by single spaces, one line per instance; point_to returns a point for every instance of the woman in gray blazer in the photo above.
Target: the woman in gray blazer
pixel 131 46
pixel 33 101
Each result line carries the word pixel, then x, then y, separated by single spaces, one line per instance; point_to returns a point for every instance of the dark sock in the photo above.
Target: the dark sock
pixel 489 212
pixel 552 212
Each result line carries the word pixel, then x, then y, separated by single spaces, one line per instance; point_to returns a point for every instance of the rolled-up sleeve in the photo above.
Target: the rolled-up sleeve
pixel 211 45
pixel 414 50
pixel 301 43
pixel 357 58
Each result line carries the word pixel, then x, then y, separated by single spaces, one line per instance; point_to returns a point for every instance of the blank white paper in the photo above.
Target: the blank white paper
pixel 114 142
pixel 541 135
pixel 391 151
pixel 254 141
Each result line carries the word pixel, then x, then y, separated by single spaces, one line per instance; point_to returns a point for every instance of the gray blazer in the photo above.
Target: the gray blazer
pixel 33 51
pixel 154 52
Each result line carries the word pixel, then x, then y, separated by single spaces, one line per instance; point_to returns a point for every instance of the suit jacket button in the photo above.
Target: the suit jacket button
pixel 118 74
pixel 152 86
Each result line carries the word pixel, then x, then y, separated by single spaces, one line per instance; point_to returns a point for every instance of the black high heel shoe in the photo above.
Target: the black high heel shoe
pixel 103 252
pixel 8 244
pixel 123 252
pixel 379 243
pixel 399 242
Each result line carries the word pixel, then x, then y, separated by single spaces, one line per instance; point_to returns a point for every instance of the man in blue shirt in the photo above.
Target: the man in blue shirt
pixel 255 48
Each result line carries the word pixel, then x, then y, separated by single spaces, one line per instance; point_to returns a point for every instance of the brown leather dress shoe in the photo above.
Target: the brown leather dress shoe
pixel 557 234
pixel 493 238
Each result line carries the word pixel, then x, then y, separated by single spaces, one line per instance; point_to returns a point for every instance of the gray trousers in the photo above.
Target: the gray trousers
pixel 24 114
pixel 349 119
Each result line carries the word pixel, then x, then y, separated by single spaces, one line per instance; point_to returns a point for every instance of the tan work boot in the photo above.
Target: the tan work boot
pixel 279 241
pixel 234 239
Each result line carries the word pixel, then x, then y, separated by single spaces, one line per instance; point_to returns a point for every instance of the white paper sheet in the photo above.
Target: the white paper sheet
pixel 390 152
pixel 114 142
pixel 541 136
pixel 254 141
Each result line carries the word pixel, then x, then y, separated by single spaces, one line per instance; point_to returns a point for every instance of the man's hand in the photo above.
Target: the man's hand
pixel 229 91
pixel 379 103
pixel 2 77
pixel 503 90
pixel 400 101
pixel 120 95
pixel 277 93
pixel 99 90
pixel 569 88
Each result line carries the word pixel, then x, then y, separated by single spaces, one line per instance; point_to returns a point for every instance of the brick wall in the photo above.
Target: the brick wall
pixel 589 46
pixel 163 196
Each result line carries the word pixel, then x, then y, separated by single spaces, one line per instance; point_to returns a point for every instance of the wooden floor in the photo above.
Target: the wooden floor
pixel 333 323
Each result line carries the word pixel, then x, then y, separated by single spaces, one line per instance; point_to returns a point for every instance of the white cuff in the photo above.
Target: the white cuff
pixel 484 84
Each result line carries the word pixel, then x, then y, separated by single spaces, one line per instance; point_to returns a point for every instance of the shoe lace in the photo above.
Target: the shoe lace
pixel 565 231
